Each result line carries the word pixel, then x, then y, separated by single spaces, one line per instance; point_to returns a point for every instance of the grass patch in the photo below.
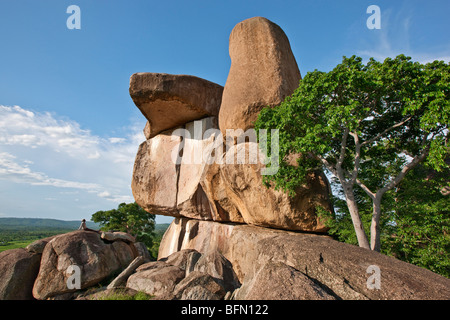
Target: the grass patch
pixel 16 244
pixel 124 295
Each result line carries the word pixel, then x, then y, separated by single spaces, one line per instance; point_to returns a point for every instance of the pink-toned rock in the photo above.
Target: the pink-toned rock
pixel 19 269
pixel 237 194
pixel 96 259
pixel 263 72
pixel 155 175
pixel 168 170
pixel 158 281
pixel 168 101
pixel 192 201
pixel 339 269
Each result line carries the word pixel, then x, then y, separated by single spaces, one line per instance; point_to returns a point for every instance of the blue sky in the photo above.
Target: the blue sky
pixel 69 130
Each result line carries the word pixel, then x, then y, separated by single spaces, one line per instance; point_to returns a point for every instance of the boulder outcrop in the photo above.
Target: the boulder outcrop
pixel 19 270
pixel 322 267
pixel 239 188
pixel 183 175
pixel 186 171
pixel 96 259
pixel 168 101
pixel 263 72
pixel 232 237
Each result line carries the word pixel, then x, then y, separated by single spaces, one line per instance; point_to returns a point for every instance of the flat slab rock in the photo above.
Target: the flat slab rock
pixel 267 258
pixel 168 100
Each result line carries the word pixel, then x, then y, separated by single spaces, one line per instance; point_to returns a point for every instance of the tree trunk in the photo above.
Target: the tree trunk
pixel 356 218
pixel 375 234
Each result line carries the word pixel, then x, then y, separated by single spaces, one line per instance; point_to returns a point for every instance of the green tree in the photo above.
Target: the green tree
pixel 421 220
pixel 415 223
pixel 361 121
pixel 130 218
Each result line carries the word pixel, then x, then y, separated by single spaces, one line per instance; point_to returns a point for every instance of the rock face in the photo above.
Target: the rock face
pixel 155 176
pixel 96 259
pixel 285 283
pixel 177 277
pixel 157 281
pixel 199 286
pixel 181 175
pixel 19 270
pixel 240 188
pixel 303 266
pixel 168 101
pixel 263 72
pixel 186 172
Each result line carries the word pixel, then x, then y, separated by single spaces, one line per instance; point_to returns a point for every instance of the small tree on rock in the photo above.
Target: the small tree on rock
pixel 130 218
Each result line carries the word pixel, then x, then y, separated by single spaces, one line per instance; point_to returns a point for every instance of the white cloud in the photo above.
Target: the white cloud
pixel 42 150
pixel 117 140
pixel 12 170
pixel 104 194
pixel 394 38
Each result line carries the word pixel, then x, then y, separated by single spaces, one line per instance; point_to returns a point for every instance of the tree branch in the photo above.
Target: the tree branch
pixel 365 188
pixel 354 174
pixel 415 161
pixel 326 164
pixel 343 146
pixel 386 131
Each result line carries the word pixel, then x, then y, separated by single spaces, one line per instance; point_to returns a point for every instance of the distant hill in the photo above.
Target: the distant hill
pixel 162 226
pixel 38 223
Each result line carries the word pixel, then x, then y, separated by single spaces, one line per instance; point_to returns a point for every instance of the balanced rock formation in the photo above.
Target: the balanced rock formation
pixel 187 173
pixel 184 98
pixel 263 72
pixel 302 266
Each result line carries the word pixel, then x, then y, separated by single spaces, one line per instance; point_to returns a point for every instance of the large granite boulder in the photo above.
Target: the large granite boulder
pixel 158 281
pixel 199 286
pixel 168 169
pixel 285 283
pixel 237 194
pixel 96 259
pixel 263 72
pixel 19 269
pixel 168 101
pixel 340 270
pixel 155 175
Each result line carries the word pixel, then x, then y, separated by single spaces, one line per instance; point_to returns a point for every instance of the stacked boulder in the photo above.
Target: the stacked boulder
pixel 201 164
pixel 232 237
pixel 189 165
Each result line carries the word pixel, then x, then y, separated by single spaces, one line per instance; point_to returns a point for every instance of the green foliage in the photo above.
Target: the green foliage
pixel 369 125
pixel 128 218
pixel 397 107
pixel 416 223
pixel 123 295
pixel 422 221
pixel 20 232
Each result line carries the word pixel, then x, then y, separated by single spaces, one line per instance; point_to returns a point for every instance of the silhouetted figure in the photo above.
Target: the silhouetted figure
pixel 83 225
pixel 85 228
